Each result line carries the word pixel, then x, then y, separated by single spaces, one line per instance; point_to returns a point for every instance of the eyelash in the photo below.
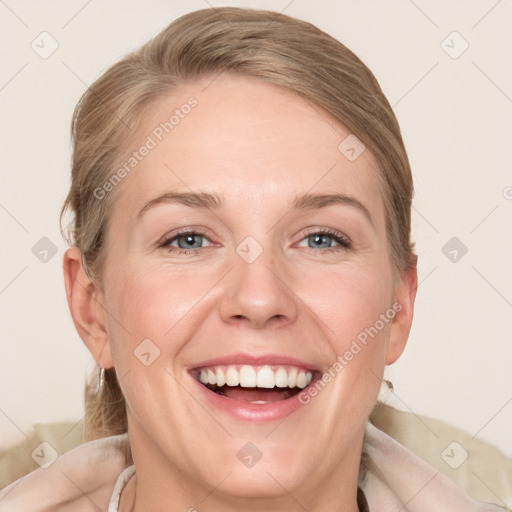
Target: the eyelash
pixel 343 241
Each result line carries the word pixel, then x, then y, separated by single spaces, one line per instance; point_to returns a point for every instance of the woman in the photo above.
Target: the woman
pixel 242 272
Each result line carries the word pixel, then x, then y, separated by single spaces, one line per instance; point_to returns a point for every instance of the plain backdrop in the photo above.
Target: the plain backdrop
pixel 444 66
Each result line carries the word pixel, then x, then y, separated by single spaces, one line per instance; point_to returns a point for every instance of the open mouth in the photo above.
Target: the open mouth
pixel 255 384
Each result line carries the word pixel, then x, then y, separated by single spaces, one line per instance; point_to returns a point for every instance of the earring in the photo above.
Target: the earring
pixel 386 389
pixel 101 380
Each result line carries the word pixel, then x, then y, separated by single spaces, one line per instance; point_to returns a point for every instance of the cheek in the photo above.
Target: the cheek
pixel 355 308
pixel 150 320
pixel 350 302
pixel 153 304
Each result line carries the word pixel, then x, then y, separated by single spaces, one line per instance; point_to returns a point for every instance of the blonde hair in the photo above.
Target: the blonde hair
pixel 266 45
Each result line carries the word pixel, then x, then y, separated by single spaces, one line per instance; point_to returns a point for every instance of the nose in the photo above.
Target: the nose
pixel 259 294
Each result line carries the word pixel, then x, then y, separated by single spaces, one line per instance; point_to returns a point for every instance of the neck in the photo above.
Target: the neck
pixel 161 487
pixel 138 501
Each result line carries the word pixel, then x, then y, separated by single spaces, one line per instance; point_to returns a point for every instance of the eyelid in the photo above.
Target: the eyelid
pixel 325 230
pixel 183 231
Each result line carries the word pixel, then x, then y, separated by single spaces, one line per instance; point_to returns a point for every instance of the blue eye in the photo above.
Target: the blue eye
pixel 186 241
pixel 189 241
pixel 318 238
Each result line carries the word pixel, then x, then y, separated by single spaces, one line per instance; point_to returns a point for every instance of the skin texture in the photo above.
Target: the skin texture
pixel 259 147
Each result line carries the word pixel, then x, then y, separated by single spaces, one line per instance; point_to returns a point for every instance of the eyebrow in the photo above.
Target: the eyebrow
pixel 192 199
pixel 306 201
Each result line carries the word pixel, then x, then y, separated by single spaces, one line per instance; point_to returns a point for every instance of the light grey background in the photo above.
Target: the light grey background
pixel 455 112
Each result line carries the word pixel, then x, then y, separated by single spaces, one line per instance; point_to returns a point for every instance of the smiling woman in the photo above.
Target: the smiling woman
pixel 244 285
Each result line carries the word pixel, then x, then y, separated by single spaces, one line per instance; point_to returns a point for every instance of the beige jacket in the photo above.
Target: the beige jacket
pixel 84 478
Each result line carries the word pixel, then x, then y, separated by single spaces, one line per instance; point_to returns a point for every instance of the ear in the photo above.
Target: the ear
pixel 85 302
pixel 405 294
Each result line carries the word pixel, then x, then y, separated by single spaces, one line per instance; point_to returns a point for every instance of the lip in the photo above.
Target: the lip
pixel 252 360
pixel 245 411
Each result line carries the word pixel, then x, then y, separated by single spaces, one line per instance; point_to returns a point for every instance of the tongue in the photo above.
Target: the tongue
pixel 257 394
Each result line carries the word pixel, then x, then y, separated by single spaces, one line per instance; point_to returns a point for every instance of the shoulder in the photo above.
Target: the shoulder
pixel 398 479
pixel 79 480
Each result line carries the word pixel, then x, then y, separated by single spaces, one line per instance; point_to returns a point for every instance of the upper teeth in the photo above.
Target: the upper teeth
pixel 256 376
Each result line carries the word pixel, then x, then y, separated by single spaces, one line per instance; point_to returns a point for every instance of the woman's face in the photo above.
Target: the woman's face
pixel 284 278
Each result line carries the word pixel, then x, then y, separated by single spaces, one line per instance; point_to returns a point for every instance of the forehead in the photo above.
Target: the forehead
pixel 248 141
